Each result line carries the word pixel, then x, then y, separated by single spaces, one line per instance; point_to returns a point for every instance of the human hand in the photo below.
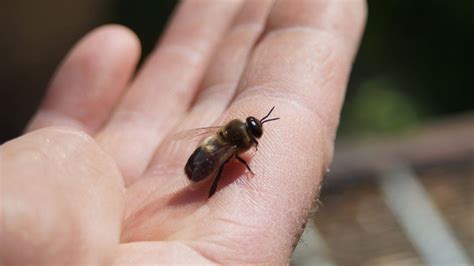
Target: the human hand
pixel 122 195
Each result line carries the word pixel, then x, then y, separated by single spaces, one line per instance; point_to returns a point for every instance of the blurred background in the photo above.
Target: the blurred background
pixel 401 187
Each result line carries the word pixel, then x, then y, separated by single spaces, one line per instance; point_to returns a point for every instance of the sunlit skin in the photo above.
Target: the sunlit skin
pixel 93 181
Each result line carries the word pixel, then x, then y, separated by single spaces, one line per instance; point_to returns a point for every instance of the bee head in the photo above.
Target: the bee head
pixel 255 126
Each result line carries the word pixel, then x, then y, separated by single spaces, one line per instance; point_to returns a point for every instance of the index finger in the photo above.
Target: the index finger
pixel 301 65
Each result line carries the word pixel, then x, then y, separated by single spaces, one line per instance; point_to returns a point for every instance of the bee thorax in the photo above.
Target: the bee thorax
pixel 235 132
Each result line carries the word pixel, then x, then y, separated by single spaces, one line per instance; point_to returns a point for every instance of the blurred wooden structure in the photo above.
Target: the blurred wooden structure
pixel 406 200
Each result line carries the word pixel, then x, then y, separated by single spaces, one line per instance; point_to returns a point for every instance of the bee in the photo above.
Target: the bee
pixel 227 142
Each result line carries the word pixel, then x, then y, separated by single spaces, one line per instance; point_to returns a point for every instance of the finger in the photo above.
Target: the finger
pixel 224 72
pixel 166 84
pixel 90 80
pixel 61 201
pixel 301 66
pixel 226 67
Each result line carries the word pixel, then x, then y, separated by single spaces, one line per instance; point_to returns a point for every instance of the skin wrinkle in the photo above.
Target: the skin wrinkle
pixel 136 119
pixel 55 118
pixel 140 218
pixel 212 93
pixel 221 92
pixel 152 88
pixel 227 65
pixel 204 254
pixel 133 121
pixel 340 17
pixel 319 33
pixel 349 9
pixel 171 252
pixel 149 187
pixel 321 62
pixel 203 248
pixel 189 54
pixel 251 28
pixel 149 218
pixel 192 231
pixel 265 93
pixel 91 75
pixel 168 169
pixel 255 227
pixel 289 213
pixel 233 246
pixel 236 46
pixel 195 26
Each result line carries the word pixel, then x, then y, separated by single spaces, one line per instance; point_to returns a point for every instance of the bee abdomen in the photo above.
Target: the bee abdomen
pixel 199 165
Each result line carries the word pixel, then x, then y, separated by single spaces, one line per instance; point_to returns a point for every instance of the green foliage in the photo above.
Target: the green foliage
pixel 379 106
pixel 423 51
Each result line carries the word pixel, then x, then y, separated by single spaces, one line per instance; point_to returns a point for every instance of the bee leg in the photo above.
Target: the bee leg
pixel 256 144
pixel 216 179
pixel 244 163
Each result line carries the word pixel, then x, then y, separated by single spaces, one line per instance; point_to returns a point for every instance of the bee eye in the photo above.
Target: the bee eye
pixel 254 127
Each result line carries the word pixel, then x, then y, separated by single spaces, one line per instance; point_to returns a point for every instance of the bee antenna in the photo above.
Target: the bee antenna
pixel 268 120
pixel 271 110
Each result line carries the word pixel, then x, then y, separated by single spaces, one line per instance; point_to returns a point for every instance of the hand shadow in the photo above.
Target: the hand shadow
pixel 199 192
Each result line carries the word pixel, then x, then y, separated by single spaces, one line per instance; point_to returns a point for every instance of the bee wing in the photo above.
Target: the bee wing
pixel 195 132
pixel 222 153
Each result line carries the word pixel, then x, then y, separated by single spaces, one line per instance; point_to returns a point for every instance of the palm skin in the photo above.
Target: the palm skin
pixel 97 178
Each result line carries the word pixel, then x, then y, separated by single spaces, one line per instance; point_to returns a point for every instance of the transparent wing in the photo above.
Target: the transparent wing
pixel 222 153
pixel 195 132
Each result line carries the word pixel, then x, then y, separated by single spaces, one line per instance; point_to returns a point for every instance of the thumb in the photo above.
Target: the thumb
pixel 61 200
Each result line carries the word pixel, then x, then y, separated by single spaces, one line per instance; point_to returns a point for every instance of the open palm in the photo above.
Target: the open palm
pixel 123 194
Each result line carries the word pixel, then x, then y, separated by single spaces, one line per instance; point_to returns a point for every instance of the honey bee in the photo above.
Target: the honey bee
pixel 227 142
